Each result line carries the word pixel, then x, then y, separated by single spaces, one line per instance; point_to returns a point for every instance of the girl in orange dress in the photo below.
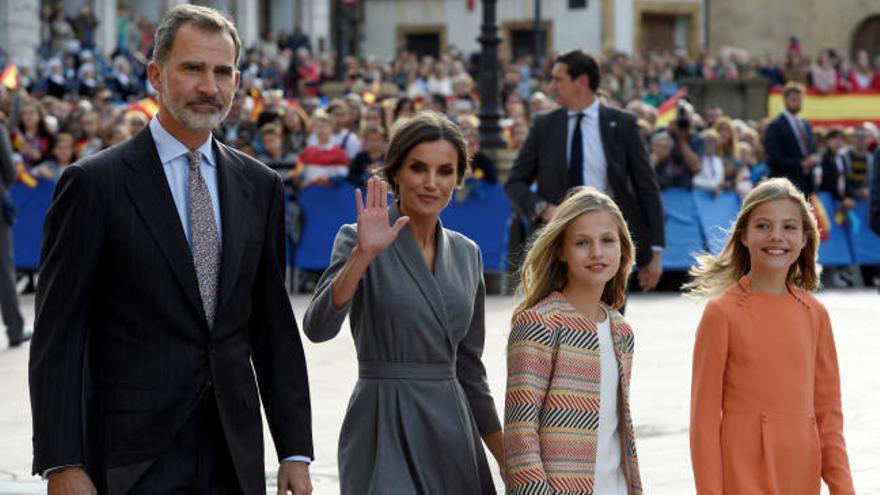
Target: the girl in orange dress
pixel 765 397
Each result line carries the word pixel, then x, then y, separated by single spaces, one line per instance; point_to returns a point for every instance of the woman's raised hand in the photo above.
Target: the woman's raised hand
pixel 374 234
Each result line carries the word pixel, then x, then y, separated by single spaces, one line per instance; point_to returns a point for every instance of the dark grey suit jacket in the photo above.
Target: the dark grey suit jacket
pixel 122 352
pixel 542 160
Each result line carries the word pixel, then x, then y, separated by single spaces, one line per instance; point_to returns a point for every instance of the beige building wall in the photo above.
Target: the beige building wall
pixel 762 26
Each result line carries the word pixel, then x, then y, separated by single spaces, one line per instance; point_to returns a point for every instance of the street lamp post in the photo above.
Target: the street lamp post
pixel 538 41
pixel 490 95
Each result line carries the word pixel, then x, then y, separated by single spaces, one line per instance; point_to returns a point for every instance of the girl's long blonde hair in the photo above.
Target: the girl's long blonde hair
pixel 713 274
pixel 542 271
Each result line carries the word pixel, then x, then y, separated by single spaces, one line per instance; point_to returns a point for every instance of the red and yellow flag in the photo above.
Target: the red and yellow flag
pixel 667 110
pixel 832 109
pixel 822 219
pixel 10 77
pixel 257 96
pixel 25 177
pixel 147 106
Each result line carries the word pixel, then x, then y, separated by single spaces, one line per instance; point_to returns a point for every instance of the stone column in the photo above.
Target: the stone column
pixel 247 21
pixel 20 29
pixel 282 16
pixel 105 37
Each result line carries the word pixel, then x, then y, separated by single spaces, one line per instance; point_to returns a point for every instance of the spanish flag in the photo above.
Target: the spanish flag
pixel 845 109
pixel 667 110
pixel 257 96
pixel 822 219
pixel 146 106
pixel 25 177
pixel 10 77
pixel 17 140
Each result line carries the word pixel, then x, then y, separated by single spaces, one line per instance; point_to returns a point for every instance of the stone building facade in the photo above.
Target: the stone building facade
pixel 762 26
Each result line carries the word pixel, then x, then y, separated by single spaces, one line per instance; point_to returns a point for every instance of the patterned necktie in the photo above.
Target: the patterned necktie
pixel 203 231
pixel 802 136
pixel 576 159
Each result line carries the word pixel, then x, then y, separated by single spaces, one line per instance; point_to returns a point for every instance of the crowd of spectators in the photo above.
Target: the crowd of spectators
pixel 74 101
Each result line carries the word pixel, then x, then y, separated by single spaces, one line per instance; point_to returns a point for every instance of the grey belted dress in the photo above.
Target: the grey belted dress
pixel 415 416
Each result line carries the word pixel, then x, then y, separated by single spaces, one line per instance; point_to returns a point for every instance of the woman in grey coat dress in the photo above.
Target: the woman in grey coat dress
pixel 415 295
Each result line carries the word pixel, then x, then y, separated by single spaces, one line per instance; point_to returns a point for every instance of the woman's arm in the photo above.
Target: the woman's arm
pixel 353 251
pixel 374 234
pixel 710 360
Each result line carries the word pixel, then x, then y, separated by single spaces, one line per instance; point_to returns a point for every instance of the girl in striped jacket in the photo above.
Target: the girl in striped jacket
pixel 567 420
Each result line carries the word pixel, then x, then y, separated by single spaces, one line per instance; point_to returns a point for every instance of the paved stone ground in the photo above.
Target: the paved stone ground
pixel 664 326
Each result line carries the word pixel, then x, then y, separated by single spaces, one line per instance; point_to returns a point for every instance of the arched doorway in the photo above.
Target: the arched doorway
pixel 867 36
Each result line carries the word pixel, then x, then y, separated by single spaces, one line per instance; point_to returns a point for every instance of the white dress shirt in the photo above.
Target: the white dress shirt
pixel 595 166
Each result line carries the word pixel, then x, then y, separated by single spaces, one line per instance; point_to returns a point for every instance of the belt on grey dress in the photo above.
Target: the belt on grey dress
pixel 406 371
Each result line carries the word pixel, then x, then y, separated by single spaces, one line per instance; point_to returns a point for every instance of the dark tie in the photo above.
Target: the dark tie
pixel 576 158
pixel 802 136
pixel 203 230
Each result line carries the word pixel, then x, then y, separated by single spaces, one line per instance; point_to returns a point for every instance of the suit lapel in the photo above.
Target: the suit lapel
pixel 234 190
pixel 559 138
pixel 148 188
pixel 608 130
pixel 407 250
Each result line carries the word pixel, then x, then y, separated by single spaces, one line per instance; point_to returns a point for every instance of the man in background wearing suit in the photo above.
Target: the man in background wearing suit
pixel 587 143
pixel 791 149
pixel 162 295
pixel 9 306
pixel 874 201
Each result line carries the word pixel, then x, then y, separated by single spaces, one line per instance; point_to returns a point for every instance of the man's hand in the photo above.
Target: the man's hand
pixel 70 481
pixel 293 477
pixel 649 275
pixel 810 161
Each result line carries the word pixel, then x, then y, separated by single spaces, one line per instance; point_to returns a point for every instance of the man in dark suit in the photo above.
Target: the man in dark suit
pixel 162 295
pixel 874 201
pixel 9 307
pixel 791 149
pixel 587 143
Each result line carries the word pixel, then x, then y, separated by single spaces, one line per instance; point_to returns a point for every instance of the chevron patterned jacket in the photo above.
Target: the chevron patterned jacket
pixel 552 403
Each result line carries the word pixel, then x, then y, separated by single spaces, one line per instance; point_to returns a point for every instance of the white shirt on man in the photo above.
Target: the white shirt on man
pixel 595 166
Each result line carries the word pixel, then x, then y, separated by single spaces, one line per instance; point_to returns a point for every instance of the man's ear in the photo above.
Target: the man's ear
pixel 154 74
pixel 584 80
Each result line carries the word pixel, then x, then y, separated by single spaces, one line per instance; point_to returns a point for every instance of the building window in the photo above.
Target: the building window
pixel 423 44
pixel 577 4
pixel 523 42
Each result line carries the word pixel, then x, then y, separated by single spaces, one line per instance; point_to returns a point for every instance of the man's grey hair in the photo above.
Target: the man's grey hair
pixel 204 18
pixel 661 136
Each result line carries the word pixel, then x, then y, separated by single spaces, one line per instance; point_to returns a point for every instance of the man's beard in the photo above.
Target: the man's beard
pixel 197 121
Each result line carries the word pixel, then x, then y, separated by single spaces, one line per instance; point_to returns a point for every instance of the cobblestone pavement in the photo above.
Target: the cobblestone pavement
pixel 664 325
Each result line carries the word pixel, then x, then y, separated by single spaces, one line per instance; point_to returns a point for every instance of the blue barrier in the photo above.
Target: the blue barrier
pixel 325 209
pixel 865 243
pixel 483 216
pixel 27 233
pixel 835 251
pixel 716 215
pixel 683 235
pixel 694 220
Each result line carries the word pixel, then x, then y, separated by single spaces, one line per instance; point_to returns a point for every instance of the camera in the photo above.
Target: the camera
pixel 682 121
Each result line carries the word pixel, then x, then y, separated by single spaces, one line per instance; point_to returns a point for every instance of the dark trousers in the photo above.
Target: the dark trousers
pixel 8 294
pixel 197 461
